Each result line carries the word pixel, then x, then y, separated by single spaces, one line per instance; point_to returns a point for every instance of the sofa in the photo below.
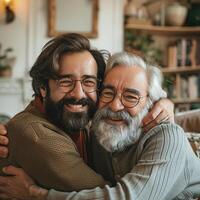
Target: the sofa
pixel 190 122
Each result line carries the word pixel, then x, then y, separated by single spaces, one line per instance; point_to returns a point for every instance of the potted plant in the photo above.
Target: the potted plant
pixel 6 62
pixel 144 46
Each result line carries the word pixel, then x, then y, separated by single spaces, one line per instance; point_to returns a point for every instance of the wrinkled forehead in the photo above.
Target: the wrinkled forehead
pixel 121 77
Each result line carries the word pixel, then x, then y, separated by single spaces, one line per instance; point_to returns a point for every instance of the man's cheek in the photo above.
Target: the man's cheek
pixel 93 96
pixel 101 104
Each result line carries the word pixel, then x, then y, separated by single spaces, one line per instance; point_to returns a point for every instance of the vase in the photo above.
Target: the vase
pixel 175 14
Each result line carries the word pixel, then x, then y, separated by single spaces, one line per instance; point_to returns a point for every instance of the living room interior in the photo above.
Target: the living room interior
pixel 165 33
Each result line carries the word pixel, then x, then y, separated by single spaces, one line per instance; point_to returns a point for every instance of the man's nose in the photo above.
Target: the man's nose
pixel 78 92
pixel 116 105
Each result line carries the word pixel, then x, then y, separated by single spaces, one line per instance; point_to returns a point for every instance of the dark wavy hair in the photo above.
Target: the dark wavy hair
pixel 47 64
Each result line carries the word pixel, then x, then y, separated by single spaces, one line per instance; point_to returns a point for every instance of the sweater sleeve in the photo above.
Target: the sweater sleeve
pixel 158 171
pixel 51 159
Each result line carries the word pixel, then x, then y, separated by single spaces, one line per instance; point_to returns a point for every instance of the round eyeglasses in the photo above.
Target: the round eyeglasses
pixel 89 84
pixel 128 98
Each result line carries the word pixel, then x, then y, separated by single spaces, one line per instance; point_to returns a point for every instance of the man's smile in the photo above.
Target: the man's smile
pixel 115 121
pixel 76 107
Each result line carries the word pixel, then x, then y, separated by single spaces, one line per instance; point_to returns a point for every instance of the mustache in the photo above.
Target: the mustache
pixel 108 113
pixel 73 101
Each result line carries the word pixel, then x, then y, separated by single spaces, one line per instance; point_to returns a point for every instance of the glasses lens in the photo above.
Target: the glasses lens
pixel 107 95
pixel 66 84
pixel 130 99
pixel 90 84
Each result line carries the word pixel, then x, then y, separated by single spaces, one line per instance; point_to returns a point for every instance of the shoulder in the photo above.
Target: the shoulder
pixel 166 137
pixel 169 129
pixel 29 126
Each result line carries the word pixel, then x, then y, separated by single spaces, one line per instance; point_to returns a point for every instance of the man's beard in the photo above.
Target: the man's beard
pixel 68 121
pixel 115 138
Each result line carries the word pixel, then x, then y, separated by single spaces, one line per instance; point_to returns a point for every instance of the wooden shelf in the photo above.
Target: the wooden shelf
pixel 186 101
pixel 181 70
pixel 167 30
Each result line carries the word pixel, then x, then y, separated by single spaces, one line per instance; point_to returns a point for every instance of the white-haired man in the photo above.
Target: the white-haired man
pixel 155 166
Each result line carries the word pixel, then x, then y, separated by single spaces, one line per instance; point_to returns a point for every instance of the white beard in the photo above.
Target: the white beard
pixel 117 137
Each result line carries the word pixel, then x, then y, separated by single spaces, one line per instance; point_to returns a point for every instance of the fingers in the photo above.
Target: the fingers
pixel 152 115
pixel 3 151
pixel 163 116
pixel 3 130
pixel 11 170
pixel 4 193
pixel 37 191
pixel 3 140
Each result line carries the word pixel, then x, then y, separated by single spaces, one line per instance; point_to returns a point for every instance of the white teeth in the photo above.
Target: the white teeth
pixel 75 106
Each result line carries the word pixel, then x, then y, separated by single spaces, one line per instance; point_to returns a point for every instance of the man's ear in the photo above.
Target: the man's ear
pixel 43 91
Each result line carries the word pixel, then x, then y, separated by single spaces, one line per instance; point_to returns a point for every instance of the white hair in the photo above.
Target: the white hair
pixel 116 138
pixel 153 73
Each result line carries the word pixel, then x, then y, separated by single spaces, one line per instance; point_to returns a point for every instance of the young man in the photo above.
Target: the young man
pixel 52 130
pixel 158 165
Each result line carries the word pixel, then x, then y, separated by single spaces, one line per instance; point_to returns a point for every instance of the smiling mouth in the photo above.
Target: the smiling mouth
pixel 115 121
pixel 75 107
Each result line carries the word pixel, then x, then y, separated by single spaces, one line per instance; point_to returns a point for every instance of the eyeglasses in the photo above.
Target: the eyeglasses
pixel 128 99
pixel 89 84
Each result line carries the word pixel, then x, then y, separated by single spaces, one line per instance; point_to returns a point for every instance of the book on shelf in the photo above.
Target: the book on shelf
pixel 172 56
pixel 198 83
pixel 193 87
pixel 184 87
pixel 184 52
pixel 190 87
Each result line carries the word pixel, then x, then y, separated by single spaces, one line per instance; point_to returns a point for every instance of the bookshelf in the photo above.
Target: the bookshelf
pixel 184 89
pixel 181 70
pixel 165 30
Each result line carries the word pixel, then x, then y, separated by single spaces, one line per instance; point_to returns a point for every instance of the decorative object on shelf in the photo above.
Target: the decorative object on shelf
pixel 7 61
pixel 193 18
pixel 143 45
pixel 136 13
pixel 179 50
pixel 175 14
pixel 9 12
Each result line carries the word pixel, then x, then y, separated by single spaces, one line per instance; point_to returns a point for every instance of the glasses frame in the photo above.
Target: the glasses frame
pixel 76 80
pixel 121 98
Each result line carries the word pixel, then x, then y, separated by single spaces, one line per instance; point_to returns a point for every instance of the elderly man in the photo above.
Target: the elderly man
pixel 51 135
pixel 158 165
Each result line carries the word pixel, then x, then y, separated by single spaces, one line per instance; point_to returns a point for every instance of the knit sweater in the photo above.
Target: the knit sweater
pixel 161 166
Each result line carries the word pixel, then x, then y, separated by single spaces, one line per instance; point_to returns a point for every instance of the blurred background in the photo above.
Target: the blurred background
pixel 165 33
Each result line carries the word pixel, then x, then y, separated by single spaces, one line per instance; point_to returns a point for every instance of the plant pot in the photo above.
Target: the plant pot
pixel 175 14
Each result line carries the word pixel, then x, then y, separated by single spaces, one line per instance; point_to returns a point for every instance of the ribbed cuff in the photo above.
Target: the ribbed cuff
pixel 56 195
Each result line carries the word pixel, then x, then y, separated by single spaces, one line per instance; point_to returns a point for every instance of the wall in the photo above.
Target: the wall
pixel 28 33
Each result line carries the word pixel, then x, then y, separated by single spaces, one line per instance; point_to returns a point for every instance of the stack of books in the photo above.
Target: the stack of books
pixel 184 52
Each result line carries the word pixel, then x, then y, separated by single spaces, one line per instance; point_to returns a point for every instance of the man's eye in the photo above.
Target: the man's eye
pixel 89 82
pixel 107 94
pixel 65 82
pixel 131 98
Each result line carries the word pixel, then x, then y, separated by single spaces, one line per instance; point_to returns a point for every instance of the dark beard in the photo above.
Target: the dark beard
pixel 68 121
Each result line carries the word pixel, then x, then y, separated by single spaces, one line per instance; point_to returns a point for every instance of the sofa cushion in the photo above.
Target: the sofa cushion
pixel 189 121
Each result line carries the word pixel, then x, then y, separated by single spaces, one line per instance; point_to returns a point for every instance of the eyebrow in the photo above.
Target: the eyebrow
pixel 108 87
pixel 137 92
pixel 72 76
pixel 132 90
